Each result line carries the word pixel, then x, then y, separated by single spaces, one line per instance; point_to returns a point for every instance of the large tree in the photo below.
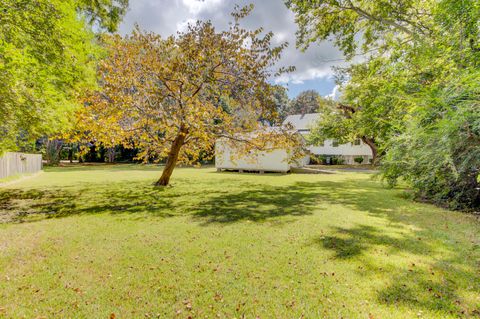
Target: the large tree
pixel 47 56
pixel 173 97
pixel 370 107
pixel 416 93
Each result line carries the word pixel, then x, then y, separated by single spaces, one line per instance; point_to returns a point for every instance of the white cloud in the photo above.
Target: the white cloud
pixel 304 75
pixel 183 25
pixel 335 94
pixel 166 17
pixel 197 6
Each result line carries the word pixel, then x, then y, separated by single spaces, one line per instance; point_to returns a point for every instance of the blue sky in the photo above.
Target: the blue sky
pixel 324 86
pixel 313 69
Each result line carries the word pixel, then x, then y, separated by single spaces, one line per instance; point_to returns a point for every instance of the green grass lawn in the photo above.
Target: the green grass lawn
pixel 88 242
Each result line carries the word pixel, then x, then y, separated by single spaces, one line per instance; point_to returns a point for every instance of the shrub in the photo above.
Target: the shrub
pixel 358 160
pixel 337 160
pixel 439 154
pixel 318 159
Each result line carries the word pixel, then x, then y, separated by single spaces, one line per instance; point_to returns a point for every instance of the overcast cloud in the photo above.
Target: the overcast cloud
pixel 313 67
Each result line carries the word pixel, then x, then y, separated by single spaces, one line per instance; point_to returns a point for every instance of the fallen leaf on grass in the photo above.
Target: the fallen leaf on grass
pixel 218 297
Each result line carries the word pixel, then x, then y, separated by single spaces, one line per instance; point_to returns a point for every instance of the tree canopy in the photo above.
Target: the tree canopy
pixel 173 97
pixel 47 56
pixel 414 96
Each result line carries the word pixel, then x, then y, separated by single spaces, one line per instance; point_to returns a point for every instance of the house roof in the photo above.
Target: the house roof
pixel 302 121
pixel 266 129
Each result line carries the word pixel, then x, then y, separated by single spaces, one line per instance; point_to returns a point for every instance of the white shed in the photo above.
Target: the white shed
pixel 277 160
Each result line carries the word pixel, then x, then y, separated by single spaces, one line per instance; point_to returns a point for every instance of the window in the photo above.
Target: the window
pixel 357 142
pixel 335 143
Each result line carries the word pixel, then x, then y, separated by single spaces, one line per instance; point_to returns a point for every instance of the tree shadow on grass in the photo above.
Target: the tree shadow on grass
pixel 262 202
pixel 412 228
pixel 449 261
pixel 352 242
pixel 419 289
pixel 257 204
pixel 17 205
pixel 409 229
pixel 253 202
pixel 435 284
pixel 104 167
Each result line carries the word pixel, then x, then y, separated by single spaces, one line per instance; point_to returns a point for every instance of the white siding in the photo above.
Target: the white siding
pixel 275 161
pixel 303 123
pixel 342 149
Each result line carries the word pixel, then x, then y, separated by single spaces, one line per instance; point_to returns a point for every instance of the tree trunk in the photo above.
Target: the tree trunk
pixel 371 143
pixel 172 158
pixel 110 155
pixel 53 151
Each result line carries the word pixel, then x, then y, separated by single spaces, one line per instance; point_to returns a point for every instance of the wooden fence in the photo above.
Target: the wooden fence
pixel 19 163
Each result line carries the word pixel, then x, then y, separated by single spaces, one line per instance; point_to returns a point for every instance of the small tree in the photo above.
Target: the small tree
pixel 173 97
pixel 306 102
pixel 282 102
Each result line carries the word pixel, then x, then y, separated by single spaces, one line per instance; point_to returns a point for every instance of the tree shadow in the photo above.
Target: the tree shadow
pixel 247 201
pixel 257 204
pixel 423 232
pixel 351 242
pixel 17 205
pixel 419 289
pixel 436 284
pixel 414 229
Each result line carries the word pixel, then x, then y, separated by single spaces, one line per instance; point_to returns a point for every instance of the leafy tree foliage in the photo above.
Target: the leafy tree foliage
pixel 306 102
pixel 371 107
pixel 174 97
pixel 439 153
pixel 416 95
pixel 381 23
pixel 47 55
pixel 282 102
pixel 105 14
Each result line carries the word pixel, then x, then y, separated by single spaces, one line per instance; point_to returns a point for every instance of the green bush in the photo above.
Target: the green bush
pixel 439 154
pixel 337 160
pixel 358 160
pixel 318 159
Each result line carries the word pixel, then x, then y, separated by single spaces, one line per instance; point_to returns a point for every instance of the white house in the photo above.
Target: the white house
pixel 276 160
pixel 330 148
